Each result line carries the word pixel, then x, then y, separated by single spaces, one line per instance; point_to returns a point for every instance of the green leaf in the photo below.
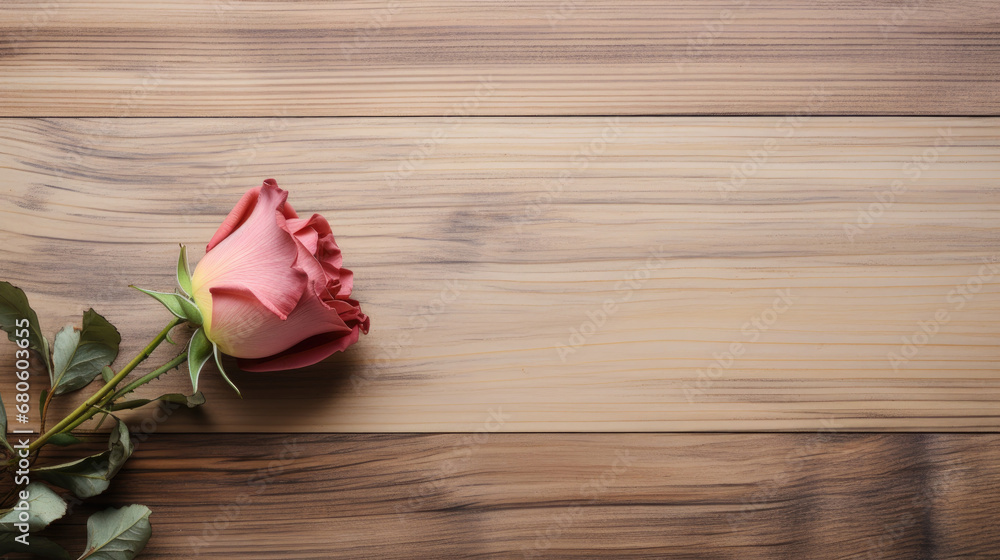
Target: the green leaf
pixel 64 440
pixel 85 477
pixel 90 476
pixel 14 308
pixel 190 401
pixel 80 356
pixel 222 371
pixel 118 534
pixel 3 427
pixel 37 546
pixel 107 374
pixel 177 304
pixel 63 350
pixel 184 273
pixel 43 506
pixel 200 349
pixel 119 448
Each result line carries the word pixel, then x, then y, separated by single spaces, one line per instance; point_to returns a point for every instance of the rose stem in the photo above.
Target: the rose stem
pixel 108 387
pixel 180 359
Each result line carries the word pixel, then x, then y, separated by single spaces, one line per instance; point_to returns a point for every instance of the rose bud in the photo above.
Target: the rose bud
pixel 272 290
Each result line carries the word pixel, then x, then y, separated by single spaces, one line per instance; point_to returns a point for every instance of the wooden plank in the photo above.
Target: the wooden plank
pixel 629 496
pixel 485 275
pixel 561 57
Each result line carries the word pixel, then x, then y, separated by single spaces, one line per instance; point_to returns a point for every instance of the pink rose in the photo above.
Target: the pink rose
pixel 271 288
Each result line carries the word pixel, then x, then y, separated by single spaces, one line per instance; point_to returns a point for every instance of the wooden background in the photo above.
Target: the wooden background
pixel 807 185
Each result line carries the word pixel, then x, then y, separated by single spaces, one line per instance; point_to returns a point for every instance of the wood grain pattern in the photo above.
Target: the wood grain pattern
pixel 625 496
pixel 567 274
pixel 481 270
pixel 558 57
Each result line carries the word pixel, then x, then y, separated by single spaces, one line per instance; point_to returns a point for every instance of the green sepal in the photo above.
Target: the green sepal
pixel 222 371
pixel 177 304
pixel 184 273
pixel 200 349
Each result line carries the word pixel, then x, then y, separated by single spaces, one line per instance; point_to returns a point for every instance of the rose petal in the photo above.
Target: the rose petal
pixel 245 329
pixel 258 256
pixel 344 285
pixel 236 217
pixel 241 212
pixel 329 255
pixel 309 230
pixel 306 353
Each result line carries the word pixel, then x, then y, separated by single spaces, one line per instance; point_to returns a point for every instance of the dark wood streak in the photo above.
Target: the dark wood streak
pixel 681 496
